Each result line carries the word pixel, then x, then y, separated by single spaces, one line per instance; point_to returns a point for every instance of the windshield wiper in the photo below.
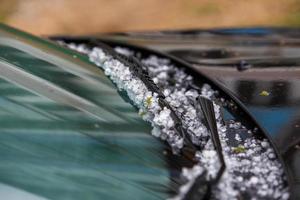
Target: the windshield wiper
pixel 201 188
pixel 207 107
pixel 138 69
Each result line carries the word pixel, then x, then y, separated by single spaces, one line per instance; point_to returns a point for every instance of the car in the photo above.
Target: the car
pixel 77 115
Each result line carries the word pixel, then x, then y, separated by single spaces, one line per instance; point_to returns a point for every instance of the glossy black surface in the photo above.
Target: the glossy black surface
pixel 260 66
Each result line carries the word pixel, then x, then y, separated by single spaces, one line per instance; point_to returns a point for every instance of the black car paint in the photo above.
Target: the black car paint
pixel 245 62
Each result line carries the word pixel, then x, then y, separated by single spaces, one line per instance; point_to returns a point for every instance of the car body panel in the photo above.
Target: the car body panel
pixel 259 66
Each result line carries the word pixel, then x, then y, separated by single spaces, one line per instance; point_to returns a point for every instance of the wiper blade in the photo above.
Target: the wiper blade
pixel 207 107
pixel 138 69
pixel 201 188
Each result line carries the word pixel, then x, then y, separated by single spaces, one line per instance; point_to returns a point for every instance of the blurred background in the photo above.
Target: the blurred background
pixel 44 17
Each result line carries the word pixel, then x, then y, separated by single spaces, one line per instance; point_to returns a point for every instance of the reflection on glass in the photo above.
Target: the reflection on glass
pixel 66 133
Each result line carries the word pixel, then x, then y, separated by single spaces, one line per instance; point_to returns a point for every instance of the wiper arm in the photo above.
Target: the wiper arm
pixel 201 188
pixel 207 107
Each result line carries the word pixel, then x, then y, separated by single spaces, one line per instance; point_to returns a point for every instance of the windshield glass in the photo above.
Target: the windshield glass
pixel 66 133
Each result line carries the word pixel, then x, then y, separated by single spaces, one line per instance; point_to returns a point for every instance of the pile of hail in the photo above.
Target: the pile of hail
pixel 252 169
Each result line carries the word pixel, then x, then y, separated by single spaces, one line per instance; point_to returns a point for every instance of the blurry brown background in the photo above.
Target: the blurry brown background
pixel 44 17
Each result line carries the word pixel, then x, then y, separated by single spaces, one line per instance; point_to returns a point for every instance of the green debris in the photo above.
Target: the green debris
pixel 264 93
pixel 239 149
pixel 142 113
pixel 148 101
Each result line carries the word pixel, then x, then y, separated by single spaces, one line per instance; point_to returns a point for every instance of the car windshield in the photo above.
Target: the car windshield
pixel 67 133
